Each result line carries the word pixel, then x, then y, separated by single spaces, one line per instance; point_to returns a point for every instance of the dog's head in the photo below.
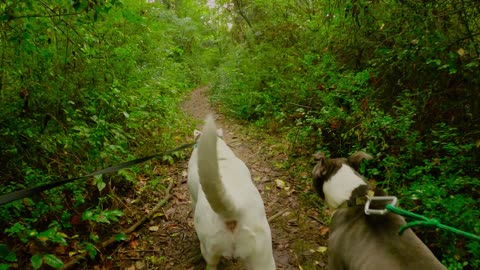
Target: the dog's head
pixel 335 180
pixel 198 133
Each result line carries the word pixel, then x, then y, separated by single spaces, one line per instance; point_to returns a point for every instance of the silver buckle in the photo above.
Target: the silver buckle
pixel 390 200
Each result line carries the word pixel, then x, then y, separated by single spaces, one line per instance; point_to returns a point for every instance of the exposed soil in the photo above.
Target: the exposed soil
pixel 168 241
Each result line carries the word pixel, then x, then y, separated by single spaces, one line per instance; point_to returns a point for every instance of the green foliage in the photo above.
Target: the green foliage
pixel 84 85
pixel 6 255
pixel 397 79
pixel 89 248
pixel 49 259
pixel 102 216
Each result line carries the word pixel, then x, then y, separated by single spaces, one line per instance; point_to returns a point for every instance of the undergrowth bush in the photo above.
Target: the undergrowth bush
pixel 321 105
pixel 83 85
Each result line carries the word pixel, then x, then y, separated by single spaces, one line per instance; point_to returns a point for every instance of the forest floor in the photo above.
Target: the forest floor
pixel 168 241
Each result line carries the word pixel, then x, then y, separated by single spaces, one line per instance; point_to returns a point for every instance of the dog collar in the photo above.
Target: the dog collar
pixel 358 201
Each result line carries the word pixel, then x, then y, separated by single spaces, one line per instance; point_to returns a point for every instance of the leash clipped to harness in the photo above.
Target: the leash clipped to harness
pixel 419 219
pixel 391 200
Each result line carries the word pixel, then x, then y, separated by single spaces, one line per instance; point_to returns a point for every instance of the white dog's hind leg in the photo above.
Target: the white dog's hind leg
pixel 211 259
pixel 262 261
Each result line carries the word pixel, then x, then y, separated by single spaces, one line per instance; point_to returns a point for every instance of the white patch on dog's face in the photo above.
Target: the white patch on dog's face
pixel 339 187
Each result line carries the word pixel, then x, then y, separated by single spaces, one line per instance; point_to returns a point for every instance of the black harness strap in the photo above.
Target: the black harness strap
pixel 12 196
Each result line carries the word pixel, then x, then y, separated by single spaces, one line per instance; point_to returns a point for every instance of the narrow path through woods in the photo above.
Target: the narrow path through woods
pixel 169 240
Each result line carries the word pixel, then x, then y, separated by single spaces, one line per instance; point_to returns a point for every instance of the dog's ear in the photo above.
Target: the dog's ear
pixel 319 172
pixel 320 168
pixel 356 158
pixel 196 135
pixel 220 133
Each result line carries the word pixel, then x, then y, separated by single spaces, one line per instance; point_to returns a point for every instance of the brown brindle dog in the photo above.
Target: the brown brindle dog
pixel 358 241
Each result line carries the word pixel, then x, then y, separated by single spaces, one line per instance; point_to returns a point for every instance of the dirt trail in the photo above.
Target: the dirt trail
pixel 169 241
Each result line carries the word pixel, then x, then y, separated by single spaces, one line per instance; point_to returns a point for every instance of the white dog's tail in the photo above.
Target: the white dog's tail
pixel 209 173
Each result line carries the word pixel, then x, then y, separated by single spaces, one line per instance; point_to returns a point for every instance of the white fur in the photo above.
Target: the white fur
pixel 231 190
pixel 339 187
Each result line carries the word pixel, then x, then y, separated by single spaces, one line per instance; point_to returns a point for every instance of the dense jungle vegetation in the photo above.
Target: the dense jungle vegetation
pixel 85 84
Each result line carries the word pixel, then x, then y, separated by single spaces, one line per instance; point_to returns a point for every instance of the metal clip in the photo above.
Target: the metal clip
pixel 390 200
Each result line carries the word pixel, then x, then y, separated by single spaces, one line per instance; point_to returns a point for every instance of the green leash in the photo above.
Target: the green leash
pixel 421 220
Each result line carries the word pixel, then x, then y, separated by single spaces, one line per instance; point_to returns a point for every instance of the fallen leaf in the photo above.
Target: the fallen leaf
pixel 461 52
pixel 133 243
pixel 324 230
pixel 280 183
pixel 72 253
pixel 42 239
pixel 304 175
pixel 181 196
pixel 321 249
pixel 153 228
pixel 61 250
pixel 159 214
pixel 139 265
pixel 169 213
pixel 76 220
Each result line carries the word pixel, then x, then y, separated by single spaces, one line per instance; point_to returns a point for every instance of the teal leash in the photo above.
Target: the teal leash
pixel 424 221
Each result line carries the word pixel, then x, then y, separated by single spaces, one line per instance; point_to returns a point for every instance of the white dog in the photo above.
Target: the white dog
pixel 229 217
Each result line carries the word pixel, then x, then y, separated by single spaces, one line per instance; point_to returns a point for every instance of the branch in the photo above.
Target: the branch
pixel 279 213
pixel 132 228
pixel 41 16
pixel 240 11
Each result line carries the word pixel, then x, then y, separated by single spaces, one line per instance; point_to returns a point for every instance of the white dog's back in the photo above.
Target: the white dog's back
pixel 229 217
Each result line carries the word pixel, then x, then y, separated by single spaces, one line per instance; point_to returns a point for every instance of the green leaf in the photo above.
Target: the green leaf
pixel 120 237
pixel 7 254
pixel 116 212
pixel 87 215
pixel 36 261
pixel 94 237
pixel 53 261
pixel 91 249
pixel 4 266
pixel 29 132
pixel 473 64
pixel 52 235
pixel 101 185
pixel 98 180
